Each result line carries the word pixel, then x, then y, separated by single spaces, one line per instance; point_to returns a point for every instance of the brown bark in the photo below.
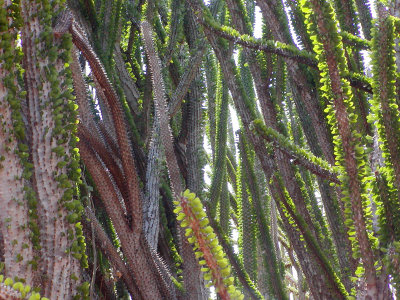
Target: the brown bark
pixel 149 282
pixel 109 250
pixel 128 164
pixel 350 162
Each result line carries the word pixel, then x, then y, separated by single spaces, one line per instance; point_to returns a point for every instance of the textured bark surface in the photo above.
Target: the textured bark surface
pixel 308 97
pixel 81 91
pixel 151 203
pixel 8 293
pixel 186 81
pixel 106 245
pixel 14 210
pixel 158 104
pixel 56 265
pixel 191 268
pixel 146 271
pixel 350 163
pixel 129 86
pixel 309 265
pixel 306 101
pixel 138 257
pixel 125 150
pixel 162 110
pixel 195 176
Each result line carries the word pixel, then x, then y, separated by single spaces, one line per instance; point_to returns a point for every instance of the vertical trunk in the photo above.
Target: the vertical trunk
pixel 351 157
pixel 16 246
pixel 317 134
pixel 309 260
pixel 48 92
pixel 193 277
pixel 331 201
pixel 274 276
pixel 151 217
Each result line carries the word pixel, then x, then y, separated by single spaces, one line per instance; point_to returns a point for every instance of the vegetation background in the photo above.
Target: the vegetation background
pixel 121 176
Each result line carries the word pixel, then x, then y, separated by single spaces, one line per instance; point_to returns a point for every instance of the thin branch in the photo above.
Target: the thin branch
pixel 297 155
pixel 150 282
pixel 281 49
pixel 161 109
pixel 104 243
pixel 129 86
pixel 234 260
pixel 128 164
pixel 186 80
pixel 107 158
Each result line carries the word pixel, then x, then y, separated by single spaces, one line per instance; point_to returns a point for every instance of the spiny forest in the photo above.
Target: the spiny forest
pixel 226 149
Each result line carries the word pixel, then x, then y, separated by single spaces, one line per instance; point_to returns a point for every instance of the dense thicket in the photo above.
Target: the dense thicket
pixel 183 150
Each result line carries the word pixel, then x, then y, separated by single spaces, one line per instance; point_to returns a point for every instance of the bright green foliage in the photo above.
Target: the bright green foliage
pixel 385 115
pixel 216 267
pixel 25 291
pixel 271 264
pixel 302 95
pixel 384 107
pixel 11 58
pixel 341 115
pixel 221 113
pixel 285 143
pixel 268 45
pixel 355 41
pixel 297 220
pixel 247 231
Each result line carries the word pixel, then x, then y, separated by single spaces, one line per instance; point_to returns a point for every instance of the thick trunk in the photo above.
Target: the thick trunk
pixel 16 247
pixel 57 265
